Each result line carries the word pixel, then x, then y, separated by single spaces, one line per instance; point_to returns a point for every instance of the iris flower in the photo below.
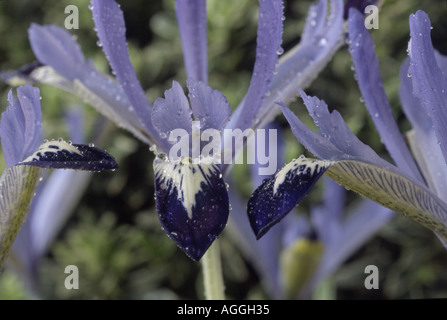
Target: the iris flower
pixel 415 186
pixel 295 256
pixel 191 195
pixel 26 158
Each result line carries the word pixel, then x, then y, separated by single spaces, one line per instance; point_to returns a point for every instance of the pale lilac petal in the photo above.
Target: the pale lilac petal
pixel 428 152
pixel 327 217
pixel 366 67
pixel 337 141
pixel 109 22
pixel 264 253
pixel 359 5
pixel 20 125
pixel 321 38
pixel 53 47
pixel 192 20
pixel 172 112
pixel 80 77
pixel 55 202
pixel 275 152
pixel 269 39
pixel 429 84
pixel 209 106
pixel 359 227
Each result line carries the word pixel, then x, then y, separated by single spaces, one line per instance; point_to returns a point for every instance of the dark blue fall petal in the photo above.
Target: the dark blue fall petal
pixel 63 155
pixel 276 196
pixel 192 203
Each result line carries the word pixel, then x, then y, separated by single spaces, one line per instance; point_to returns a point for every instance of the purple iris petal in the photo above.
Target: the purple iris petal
pixel 429 84
pixel 20 125
pixel 269 39
pixel 209 106
pixel 172 112
pixel 109 22
pixel 355 230
pixel 192 203
pixel 327 217
pixel 91 85
pixel 337 141
pixel 55 47
pixel 191 17
pixel 359 5
pixel 321 38
pixel 370 83
pixel 428 153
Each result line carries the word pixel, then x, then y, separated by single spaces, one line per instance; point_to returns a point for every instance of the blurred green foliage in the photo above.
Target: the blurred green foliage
pixel 114 236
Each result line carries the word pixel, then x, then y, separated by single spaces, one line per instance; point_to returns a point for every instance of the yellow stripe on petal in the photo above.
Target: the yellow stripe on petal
pixel 393 191
pixel 17 188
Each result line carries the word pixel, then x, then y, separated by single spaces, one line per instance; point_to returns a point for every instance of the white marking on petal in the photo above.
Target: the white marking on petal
pixel 312 164
pixel 51 147
pixel 184 176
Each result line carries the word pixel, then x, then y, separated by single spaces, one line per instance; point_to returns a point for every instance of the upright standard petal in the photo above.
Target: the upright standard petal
pixel 192 203
pixel 192 20
pixel 209 106
pixel 268 44
pixel 109 22
pixel 21 124
pixel 366 66
pixel 321 38
pixel 172 112
pixel 422 138
pixel 429 84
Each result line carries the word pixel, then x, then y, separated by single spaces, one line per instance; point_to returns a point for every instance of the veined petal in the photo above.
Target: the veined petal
pixel 429 84
pixel 191 18
pixel 21 124
pixel 366 66
pixel 172 112
pixel 269 38
pixel 192 203
pixel 109 22
pixel 209 106
pixel 17 187
pixel 60 154
pixel 276 196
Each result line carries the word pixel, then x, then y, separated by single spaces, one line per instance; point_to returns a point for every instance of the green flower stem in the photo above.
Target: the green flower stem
pixel 212 273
